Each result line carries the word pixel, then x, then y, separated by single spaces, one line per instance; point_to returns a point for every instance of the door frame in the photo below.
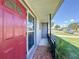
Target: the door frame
pixel 42 28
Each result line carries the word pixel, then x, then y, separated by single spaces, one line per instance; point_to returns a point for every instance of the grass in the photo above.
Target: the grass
pixel 73 41
pixel 65 49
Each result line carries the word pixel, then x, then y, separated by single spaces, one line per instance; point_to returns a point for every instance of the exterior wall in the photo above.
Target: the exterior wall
pixel 38 37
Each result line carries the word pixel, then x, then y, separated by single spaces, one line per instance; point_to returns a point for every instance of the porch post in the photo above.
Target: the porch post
pixel 50 24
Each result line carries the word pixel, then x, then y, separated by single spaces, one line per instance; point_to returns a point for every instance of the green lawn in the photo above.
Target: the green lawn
pixel 73 41
pixel 67 48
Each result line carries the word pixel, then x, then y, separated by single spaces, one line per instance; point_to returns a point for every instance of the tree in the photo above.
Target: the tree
pixel 57 26
pixel 52 24
pixel 74 26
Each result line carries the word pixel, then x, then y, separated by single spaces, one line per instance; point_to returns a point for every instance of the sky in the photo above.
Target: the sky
pixel 67 13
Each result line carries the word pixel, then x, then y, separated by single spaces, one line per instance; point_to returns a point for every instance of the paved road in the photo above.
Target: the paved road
pixel 68 36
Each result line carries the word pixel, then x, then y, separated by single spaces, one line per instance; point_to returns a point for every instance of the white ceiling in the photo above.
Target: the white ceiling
pixel 42 8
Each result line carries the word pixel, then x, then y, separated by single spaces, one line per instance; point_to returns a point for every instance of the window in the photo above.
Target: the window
pixel 30 23
pixel 30 31
pixel 30 40
pixel 13 5
pixel 10 4
pixel 19 10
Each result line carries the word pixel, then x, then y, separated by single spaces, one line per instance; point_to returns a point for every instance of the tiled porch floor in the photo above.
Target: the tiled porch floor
pixel 42 51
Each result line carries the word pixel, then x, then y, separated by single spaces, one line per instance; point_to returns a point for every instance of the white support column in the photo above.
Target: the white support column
pixel 38 32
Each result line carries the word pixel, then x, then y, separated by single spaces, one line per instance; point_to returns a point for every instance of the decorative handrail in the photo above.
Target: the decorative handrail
pixel 51 41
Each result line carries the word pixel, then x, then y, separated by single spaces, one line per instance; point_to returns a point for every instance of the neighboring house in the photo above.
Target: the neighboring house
pixel 64 29
pixel 69 30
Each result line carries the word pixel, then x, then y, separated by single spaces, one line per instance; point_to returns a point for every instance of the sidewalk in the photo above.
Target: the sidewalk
pixel 42 51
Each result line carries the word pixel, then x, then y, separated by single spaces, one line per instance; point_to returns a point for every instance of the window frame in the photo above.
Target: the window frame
pixel 34 30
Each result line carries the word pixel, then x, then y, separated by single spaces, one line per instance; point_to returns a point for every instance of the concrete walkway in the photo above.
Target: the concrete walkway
pixel 42 50
pixel 44 42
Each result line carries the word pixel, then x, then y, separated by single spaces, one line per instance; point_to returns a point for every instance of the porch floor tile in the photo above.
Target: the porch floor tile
pixel 42 53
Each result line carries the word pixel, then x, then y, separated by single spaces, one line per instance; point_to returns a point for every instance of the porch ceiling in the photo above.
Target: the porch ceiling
pixel 42 8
